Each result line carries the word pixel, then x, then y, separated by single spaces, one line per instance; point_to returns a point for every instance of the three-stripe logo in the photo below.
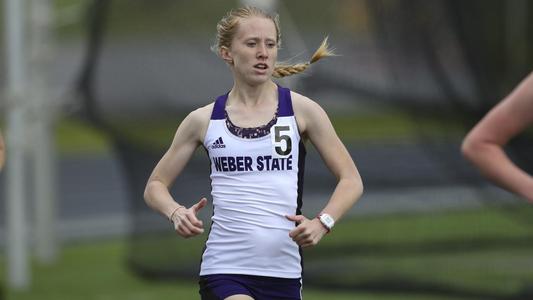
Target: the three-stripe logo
pixel 219 143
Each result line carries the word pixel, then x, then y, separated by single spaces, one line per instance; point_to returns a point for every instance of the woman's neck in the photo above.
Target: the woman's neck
pixel 252 95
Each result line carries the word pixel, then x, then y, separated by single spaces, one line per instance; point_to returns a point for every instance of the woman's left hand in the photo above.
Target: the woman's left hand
pixel 308 232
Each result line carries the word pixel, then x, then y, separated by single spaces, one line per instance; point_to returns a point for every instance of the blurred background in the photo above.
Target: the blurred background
pixel 93 91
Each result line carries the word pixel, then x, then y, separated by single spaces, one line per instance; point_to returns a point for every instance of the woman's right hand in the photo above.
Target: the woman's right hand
pixel 186 222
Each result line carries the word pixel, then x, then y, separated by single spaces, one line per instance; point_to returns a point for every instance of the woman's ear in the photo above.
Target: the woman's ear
pixel 226 55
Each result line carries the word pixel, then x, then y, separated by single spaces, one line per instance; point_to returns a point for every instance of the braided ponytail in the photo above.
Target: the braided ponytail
pixel 282 70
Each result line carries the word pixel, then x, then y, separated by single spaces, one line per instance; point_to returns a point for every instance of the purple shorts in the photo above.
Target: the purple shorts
pixel 221 286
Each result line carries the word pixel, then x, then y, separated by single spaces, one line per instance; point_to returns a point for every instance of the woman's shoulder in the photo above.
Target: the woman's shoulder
pixel 202 113
pixel 298 98
pixel 306 111
pixel 196 122
pixel 303 104
pixel 199 118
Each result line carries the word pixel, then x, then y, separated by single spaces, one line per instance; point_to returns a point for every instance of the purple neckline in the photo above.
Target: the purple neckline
pixel 251 132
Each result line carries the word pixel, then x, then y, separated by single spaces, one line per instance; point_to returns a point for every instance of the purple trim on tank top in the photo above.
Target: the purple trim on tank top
pixel 284 109
pixel 219 111
pixel 251 132
pixel 284 104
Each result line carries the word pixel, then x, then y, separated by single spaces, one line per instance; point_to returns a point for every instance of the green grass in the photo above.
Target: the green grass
pixel 74 136
pixel 478 252
pixel 484 251
pixel 384 235
pixel 392 126
pixel 98 271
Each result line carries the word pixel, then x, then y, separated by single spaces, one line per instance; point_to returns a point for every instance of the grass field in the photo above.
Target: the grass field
pixel 478 254
pixel 98 271
pixel 76 137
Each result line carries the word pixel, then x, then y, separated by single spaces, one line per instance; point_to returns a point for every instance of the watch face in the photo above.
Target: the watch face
pixel 327 220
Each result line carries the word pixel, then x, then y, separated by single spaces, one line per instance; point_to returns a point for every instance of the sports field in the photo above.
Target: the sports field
pixel 482 252
pixel 477 254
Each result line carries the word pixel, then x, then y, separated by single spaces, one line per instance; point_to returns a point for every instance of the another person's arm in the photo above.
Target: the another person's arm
pixel 156 194
pixel 483 145
pixel 315 124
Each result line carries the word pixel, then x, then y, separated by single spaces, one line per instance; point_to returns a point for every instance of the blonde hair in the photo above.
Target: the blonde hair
pixel 282 70
pixel 227 27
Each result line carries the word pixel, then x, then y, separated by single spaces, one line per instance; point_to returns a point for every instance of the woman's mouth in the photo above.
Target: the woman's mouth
pixel 261 66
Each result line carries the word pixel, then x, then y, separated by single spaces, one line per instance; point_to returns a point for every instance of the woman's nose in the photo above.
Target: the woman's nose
pixel 262 51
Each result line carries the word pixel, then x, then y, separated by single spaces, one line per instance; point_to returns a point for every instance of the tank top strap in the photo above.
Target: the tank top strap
pixel 284 98
pixel 219 109
pixel 285 102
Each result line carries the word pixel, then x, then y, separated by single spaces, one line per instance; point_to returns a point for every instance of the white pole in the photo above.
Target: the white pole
pixel 17 238
pixel 42 130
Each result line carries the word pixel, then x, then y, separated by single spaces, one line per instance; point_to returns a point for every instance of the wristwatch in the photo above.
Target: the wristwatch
pixel 327 221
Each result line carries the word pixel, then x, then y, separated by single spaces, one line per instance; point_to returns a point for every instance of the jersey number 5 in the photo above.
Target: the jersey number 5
pixel 280 139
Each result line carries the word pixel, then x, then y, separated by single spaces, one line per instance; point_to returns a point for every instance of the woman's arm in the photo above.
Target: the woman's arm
pixel 156 194
pixel 483 145
pixel 315 124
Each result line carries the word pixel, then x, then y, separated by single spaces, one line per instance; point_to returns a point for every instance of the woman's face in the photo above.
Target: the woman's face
pixel 253 50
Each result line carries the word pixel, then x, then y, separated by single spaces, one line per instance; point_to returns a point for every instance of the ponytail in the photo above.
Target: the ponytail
pixel 282 70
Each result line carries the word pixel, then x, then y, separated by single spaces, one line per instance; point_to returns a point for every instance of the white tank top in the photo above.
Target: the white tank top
pixel 255 183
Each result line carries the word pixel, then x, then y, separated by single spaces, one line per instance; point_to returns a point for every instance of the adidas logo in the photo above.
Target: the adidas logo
pixel 219 143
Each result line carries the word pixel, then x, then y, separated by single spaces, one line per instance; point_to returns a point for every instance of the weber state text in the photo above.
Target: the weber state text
pixel 250 164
